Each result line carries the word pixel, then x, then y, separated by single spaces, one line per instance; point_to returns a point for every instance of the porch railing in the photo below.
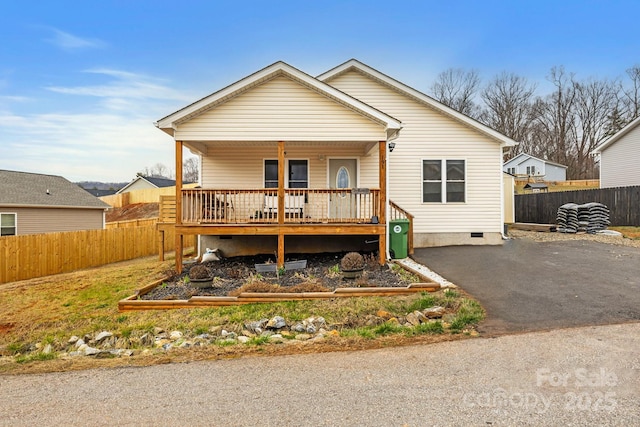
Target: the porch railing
pixel 396 212
pixel 208 206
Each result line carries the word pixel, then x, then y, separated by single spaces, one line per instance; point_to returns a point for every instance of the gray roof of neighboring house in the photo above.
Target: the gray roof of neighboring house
pixel 157 182
pixel 538 185
pixel 160 182
pixel 33 189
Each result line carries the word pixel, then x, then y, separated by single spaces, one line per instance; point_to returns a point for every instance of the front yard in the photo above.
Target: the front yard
pixel 71 321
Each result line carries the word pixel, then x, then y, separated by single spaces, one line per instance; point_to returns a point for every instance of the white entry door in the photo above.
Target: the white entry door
pixel 343 173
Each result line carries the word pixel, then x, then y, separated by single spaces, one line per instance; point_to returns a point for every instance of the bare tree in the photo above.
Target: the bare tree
pixel 160 170
pixel 191 170
pixel 594 102
pixel 555 121
pixel 457 89
pixel 508 101
pixel 631 94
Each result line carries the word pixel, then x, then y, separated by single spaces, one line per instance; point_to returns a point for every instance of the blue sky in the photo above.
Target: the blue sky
pixel 81 82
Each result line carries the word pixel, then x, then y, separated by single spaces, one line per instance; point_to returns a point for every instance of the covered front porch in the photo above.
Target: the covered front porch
pixel 281 210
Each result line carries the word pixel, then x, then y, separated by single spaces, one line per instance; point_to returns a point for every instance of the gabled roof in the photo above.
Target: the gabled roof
pixel 354 64
pixel 169 123
pixel 23 189
pixel 526 157
pixel 536 185
pixel 156 182
pixel 615 137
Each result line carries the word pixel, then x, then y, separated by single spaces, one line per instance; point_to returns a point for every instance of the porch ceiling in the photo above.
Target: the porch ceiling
pixel 201 147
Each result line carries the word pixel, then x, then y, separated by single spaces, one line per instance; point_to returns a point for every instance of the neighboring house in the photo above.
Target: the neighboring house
pixel 322 164
pixel 33 203
pixel 99 193
pixel 536 187
pixel 526 165
pixel 620 157
pixel 146 182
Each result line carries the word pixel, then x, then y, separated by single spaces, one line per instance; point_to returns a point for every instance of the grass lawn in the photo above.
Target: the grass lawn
pixel 48 311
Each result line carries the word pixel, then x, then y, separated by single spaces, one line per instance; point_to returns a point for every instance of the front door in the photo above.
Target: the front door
pixel 343 173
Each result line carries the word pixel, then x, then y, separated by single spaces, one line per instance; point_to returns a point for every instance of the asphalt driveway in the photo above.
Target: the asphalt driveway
pixel 526 286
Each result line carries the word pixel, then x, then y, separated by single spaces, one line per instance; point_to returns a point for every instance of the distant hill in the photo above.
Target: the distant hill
pixel 96 185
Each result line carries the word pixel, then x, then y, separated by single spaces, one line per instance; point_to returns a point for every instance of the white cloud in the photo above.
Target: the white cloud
pixel 108 147
pixel 70 42
pixel 124 88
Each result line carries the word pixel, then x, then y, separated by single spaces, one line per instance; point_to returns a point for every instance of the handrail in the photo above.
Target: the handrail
pixel 396 212
pixel 302 205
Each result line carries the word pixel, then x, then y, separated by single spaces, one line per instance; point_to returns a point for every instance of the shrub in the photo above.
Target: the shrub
pixel 199 272
pixel 352 261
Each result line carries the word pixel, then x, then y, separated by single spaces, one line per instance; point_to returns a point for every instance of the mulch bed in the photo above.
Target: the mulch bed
pixel 320 275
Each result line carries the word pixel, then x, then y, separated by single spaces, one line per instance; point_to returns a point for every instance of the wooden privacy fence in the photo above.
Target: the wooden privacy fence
pixel 542 208
pixel 36 255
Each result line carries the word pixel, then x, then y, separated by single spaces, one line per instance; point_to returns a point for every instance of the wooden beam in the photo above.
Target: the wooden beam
pixel 382 216
pixel 281 213
pixel 179 239
pixel 287 229
pixel 280 249
pixel 280 182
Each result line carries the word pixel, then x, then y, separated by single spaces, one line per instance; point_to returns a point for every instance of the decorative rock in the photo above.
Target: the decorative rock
pixel 302 337
pixel 79 343
pixel 413 319
pixel 333 333
pixel 298 327
pixel 74 339
pixel 167 346
pixel 421 317
pixel 256 327
pixel 384 314
pixel 175 335
pixel 101 336
pixel 276 322
pixel 90 351
pixel 311 329
pixel 146 340
pixel 157 330
pixel 276 338
pixel 47 349
pixel 82 347
pixel 162 342
pixel 434 312
pixel 243 339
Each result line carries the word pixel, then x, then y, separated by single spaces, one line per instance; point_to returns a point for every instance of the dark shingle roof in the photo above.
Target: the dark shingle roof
pixel 32 189
pixel 160 182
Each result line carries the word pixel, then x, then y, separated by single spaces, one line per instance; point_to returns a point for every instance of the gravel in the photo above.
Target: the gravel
pixel 231 273
pixel 555 237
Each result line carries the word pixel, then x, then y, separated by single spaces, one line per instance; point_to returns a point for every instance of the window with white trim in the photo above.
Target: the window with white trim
pixel 512 171
pixel 443 181
pixel 8 224
pixel 531 170
pixel 297 174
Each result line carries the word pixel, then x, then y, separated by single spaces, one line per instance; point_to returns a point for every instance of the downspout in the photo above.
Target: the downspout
pixel 390 137
pixel 504 236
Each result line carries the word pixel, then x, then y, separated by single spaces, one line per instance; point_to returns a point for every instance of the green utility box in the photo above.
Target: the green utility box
pixel 398 231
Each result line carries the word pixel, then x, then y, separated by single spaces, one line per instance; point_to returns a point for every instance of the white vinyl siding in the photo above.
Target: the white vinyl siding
pixel 227 167
pixel 280 109
pixel 620 162
pixel 430 134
